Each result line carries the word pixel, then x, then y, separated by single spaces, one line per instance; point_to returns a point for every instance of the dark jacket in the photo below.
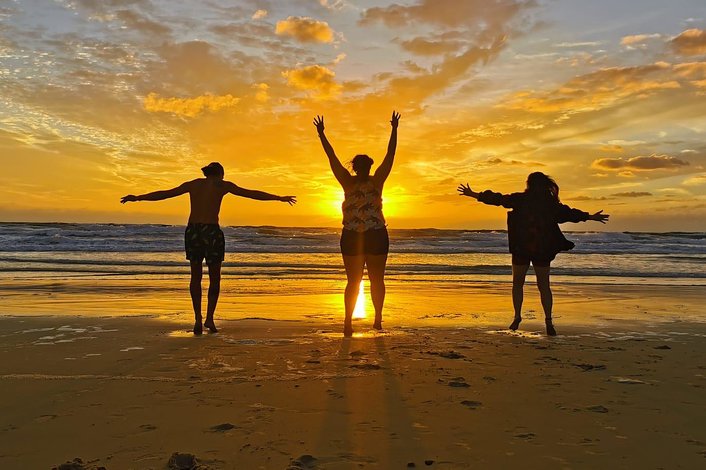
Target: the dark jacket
pixel 533 224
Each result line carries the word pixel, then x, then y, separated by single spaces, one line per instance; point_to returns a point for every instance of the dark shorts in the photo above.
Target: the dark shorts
pixel 522 260
pixel 370 242
pixel 204 241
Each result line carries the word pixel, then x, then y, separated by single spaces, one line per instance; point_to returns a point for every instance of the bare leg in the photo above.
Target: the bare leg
pixel 195 290
pixel 545 294
pixel 214 289
pixel 519 271
pixel 354 272
pixel 376 274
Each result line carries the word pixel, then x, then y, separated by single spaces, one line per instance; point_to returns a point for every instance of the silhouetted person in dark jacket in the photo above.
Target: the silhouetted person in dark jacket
pixel 204 238
pixel 534 234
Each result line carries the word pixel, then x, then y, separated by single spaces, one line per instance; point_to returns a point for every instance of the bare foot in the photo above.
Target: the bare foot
pixel 377 325
pixel 550 328
pixel 211 326
pixel 347 330
pixel 515 324
pixel 198 329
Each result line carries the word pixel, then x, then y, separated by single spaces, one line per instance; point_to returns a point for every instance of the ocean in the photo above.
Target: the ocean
pixel 434 277
pixel 51 250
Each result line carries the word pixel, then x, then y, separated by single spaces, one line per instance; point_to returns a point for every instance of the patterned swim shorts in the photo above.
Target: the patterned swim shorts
pixel 204 241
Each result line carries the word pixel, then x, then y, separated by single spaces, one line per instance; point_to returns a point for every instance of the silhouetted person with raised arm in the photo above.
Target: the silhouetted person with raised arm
pixel 364 239
pixel 204 238
pixel 534 235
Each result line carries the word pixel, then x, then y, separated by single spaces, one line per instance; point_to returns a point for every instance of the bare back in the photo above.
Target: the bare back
pixel 206 195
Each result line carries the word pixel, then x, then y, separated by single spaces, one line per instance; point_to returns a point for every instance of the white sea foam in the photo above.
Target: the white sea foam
pixel 44 251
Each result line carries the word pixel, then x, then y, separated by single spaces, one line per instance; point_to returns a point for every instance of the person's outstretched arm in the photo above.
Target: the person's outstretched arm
pixel 339 171
pixel 385 167
pixel 157 195
pixel 259 195
pixel 568 214
pixel 488 197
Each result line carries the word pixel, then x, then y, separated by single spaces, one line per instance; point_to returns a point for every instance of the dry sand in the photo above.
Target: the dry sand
pixel 126 393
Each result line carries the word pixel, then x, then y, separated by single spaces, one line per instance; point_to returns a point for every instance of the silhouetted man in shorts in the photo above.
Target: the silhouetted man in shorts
pixel 203 239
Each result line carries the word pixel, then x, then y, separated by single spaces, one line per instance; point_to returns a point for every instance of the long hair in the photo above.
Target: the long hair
pixel 361 165
pixel 540 184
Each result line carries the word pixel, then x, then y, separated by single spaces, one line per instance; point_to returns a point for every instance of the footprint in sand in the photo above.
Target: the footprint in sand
pixel 590 367
pixel 447 354
pixel 45 418
pixel 470 404
pixel 77 464
pixel 597 409
pixel 366 366
pixel 528 436
pixel 459 382
pixel 305 462
pixel 222 427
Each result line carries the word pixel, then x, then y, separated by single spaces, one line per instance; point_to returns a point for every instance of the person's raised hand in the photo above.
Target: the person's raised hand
pixel 291 200
pixel 319 123
pixel 395 120
pixel 599 217
pixel 465 190
pixel 128 198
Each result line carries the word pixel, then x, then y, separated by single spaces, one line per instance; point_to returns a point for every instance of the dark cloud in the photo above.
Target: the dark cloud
pixel 640 163
pixel 500 161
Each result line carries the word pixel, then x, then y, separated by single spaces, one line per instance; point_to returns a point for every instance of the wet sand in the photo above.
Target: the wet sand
pixel 129 392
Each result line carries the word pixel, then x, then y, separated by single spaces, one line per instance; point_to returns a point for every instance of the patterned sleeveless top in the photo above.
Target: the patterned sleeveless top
pixel 362 207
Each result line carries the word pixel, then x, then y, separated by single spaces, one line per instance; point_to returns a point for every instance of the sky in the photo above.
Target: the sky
pixel 103 98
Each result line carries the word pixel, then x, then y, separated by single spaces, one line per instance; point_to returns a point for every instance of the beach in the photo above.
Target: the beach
pixel 127 393
pixel 97 362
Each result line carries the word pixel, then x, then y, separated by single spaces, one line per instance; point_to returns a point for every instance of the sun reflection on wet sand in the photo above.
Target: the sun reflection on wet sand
pixel 359 311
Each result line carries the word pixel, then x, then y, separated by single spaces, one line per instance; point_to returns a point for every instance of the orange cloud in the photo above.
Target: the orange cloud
pixel 259 14
pixel 640 163
pixel 315 78
pixel 305 29
pixel 690 42
pixel 262 94
pixel 596 90
pixel 693 70
pixel 451 13
pixel 612 148
pixel 637 39
pixel 696 180
pixel 427 47
pixel 188 107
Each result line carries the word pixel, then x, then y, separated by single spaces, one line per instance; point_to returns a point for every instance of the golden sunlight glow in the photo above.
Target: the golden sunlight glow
pixel 359 311
pixel 331 202
pixel 557 107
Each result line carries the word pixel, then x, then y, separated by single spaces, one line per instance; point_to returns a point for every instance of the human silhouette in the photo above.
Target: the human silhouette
pixel 534 235
pixel 364 238
pixel 203 238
